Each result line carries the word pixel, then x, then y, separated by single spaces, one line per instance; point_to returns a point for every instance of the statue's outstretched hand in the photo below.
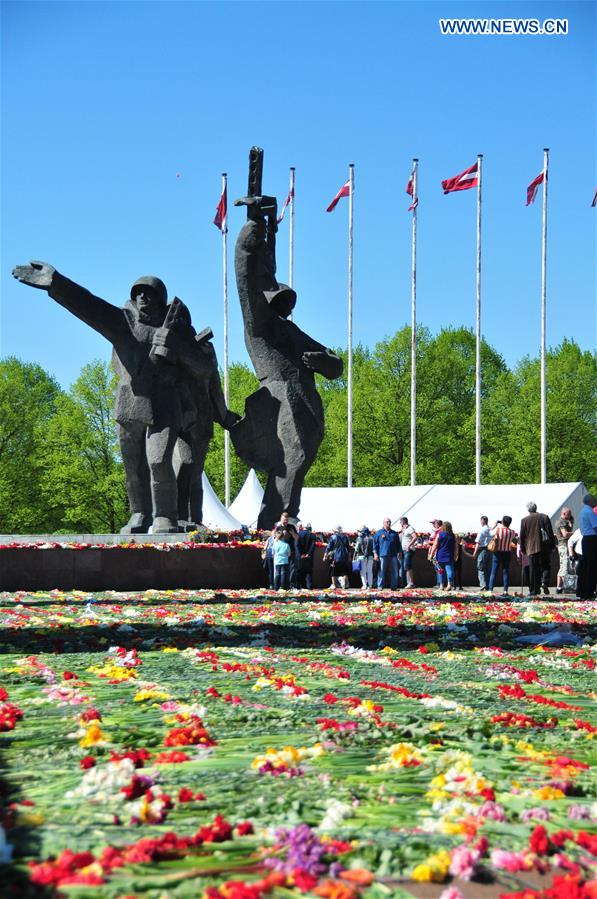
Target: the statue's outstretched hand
pixel 36 274
pixel 231 419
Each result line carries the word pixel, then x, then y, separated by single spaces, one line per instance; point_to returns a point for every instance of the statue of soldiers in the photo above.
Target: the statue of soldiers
pixel 283 424
pixel 149 408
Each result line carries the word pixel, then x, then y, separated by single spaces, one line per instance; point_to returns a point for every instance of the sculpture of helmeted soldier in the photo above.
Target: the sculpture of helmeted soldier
pixel 283 424
pixel 153 387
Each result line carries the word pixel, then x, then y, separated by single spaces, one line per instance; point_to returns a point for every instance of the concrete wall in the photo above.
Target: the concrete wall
pixel 146 568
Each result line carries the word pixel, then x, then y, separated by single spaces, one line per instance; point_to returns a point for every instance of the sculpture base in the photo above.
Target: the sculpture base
pixel 122 568
pixel 116 567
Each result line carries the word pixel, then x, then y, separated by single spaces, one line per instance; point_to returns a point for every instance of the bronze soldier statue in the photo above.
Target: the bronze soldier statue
pixel 283 424
pixel 160 365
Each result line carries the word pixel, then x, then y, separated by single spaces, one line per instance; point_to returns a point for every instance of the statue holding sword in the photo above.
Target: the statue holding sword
pixel 283 425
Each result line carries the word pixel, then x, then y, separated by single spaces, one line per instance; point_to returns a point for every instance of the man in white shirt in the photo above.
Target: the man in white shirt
pixel 482 554
pixel 408 539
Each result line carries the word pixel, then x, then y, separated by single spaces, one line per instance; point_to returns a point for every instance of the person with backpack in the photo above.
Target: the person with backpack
pixel 363 551
pixel 337 554
pixel 537 541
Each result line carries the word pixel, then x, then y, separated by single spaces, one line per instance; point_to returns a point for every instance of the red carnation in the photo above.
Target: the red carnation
pixel 539 841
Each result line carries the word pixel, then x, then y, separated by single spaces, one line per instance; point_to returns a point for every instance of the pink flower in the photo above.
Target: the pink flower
pixel 509 861
pixel 492 810
pixel 451 893
pixel 463 862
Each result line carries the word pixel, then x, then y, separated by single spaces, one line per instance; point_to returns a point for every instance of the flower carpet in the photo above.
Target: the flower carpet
pixel 174 744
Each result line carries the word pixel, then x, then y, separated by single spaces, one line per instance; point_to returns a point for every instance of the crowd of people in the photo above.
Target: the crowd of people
pixel 384 558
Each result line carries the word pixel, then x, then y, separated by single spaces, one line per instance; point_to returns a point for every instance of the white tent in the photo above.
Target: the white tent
pixel 247 504
pixel 215 515
pixel 463 505
pixel 326 507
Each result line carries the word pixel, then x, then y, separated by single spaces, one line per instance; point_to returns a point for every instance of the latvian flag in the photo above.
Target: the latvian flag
pixel 463 181
pixel 534 187
pixel 343 192
pixel 286 204
pixel 221 212
pixel 410 191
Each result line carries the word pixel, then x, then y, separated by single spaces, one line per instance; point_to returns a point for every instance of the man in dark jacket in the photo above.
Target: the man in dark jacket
pixel 537 541
pixel 386 549
pixel 337 552
pixel 306 552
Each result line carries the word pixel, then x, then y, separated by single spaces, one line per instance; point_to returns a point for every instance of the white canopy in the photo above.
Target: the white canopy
pixel 464 505
pixel 247 504
pixel 215 515
pixel 327 507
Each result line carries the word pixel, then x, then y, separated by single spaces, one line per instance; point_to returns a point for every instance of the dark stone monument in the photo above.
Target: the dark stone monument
pixel 283 424
pixel 169 394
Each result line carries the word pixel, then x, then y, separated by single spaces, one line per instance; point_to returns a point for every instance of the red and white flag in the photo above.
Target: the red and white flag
pixel 463 181
pixel 594 203
pixel 286 204
pixel 343 192
pixel 534 187
pixel 410 187
pixel 222 212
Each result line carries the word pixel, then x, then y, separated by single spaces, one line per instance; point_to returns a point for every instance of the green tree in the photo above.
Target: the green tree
pixel 28 397
pixel 82 477
pixel 381 411
pixel 513 419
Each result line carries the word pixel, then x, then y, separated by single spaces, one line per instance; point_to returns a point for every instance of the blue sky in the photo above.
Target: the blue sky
pixel 103 104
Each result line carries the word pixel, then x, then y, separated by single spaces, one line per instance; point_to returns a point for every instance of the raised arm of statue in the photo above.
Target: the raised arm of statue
pixel 254 271
pixel 95 312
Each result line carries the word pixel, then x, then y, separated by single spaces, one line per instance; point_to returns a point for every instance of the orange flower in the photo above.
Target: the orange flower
pixel 360 876
pixel 333 889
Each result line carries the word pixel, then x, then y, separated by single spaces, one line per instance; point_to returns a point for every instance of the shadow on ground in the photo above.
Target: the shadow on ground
pixel 72 639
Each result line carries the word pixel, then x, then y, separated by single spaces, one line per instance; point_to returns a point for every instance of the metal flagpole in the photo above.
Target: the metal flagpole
pixel 349 416
pixel 413 339
pixel 543 321
pixel 225 296
pixel 478 333
pixel 291 238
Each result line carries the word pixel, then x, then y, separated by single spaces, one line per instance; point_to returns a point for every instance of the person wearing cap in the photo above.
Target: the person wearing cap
pixel 408 540
pixel 537 541
pixel 386 549
pixel 152 406
pixel 283 425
